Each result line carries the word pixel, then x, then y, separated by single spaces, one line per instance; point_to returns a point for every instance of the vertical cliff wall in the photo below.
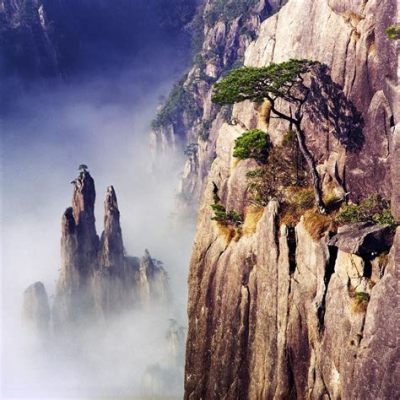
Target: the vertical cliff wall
pixel 352 43
pixel 188 121
pixel 275 312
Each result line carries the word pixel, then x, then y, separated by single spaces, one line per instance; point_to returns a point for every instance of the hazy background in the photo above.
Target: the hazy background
pixel 99 116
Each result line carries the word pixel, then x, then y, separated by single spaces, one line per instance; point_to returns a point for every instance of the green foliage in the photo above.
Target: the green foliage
pixel 303 198
pixel 226 217
pixel 250 83
pixel 179 101
pixel 252 144
pixel 83 167
pixel 374 209
pixel 360 301
pixel 289 138
pixel 349 214
pixel 393 32
pixel 227 10
pixel 384 217
pixel 282 170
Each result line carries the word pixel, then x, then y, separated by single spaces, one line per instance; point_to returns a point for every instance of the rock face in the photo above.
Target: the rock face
pixel 349 38
pixel 275 314
pixel 36 309
pixel 189 121
pixel 97 280
pixel 363 239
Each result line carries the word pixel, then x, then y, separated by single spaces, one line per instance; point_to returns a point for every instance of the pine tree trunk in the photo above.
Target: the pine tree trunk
pixel 316 180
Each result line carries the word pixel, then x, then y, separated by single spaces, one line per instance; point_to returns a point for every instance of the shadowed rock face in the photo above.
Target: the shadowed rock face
pixel 363 239
pixel 276 314
pixel 273 313
pixel 349 38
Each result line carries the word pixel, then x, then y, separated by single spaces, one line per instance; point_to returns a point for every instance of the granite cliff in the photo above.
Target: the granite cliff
pixel 299 308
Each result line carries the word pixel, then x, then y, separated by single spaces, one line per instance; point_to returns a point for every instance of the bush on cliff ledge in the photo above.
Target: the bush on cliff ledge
pixel 373 209
pixel 226 217
pixel 252 144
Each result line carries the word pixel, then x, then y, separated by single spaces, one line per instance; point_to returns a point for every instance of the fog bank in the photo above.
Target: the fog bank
pixel 101 121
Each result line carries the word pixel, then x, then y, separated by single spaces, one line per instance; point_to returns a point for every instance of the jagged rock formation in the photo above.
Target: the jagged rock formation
pixel 276 314
pixel 97 280
pixel 363 238
pixel 221 33
pixel 361 59
pixel 36 309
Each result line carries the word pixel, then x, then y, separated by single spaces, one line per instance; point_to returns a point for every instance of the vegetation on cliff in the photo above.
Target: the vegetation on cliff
pixel 277 81
pixel 304 85
pixel 393 32
pixel 372 209
pixel 180 101
pixel 222 10
pixel 252 144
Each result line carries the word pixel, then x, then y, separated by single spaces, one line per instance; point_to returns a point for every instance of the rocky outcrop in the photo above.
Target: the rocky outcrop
pixel 363 239
pixel 111 245
pixel 275 313
pixel 97 280
pixel 153 281
pixel 354 46
pixel 350 39
pixel 79 248
pixel 36 309
pixel 188 121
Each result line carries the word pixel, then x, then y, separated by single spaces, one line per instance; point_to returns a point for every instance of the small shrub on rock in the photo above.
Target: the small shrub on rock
pixel 226 217
pixel 252 144
pixel 373 209
pixel 360 302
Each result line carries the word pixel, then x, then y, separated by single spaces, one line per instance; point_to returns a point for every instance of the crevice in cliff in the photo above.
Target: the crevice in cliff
pixel 244 367
pixel 291 382
pixel 292 244
pixel 329 270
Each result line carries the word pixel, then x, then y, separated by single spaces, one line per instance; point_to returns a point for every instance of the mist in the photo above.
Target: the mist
pixel 101 120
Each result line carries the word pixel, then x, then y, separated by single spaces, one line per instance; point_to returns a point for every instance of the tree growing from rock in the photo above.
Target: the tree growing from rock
pixel 83 168
pixel 290 81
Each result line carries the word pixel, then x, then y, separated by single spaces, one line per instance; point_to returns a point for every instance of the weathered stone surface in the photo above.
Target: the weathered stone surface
pixel 274 314
pixel 152 283
pixel 349 37
pixel 111 244
pixel 377 368
pixel 224 44
pixel 363 239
